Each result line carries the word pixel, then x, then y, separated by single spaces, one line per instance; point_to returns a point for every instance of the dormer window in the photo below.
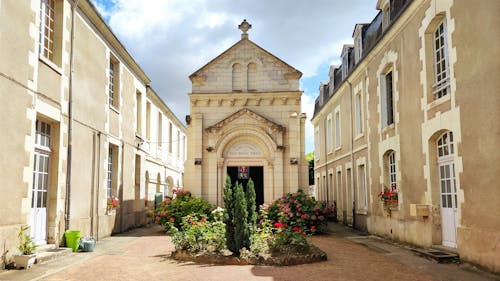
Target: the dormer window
pixel 386 16
pixel 345 65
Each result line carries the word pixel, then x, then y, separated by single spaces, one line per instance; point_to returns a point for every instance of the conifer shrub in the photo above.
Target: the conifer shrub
pixel 251 207
pixel 229 215
pixel 241 233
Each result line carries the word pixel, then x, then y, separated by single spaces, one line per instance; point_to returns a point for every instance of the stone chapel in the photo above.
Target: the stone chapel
pixel 245 122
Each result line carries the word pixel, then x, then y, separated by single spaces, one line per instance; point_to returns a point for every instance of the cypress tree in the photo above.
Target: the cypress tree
pixel 229 216
pixel 241 235
pixel 251 208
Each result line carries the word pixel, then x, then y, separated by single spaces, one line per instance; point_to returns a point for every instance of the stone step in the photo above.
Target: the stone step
pixel 48 252
pixel 439 255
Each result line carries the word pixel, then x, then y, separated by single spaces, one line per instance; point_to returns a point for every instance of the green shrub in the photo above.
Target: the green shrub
pixel 197 234
pixel 251 208
pixel 171 211
pixel 229 215
pixel 299 210
pixel 241 233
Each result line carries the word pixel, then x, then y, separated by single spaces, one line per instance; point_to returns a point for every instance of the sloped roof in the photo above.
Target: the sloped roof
pixel 233 47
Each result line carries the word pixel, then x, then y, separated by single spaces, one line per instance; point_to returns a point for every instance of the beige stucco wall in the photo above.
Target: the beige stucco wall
pixel 33 88
pixel 470 111
pixel 267 117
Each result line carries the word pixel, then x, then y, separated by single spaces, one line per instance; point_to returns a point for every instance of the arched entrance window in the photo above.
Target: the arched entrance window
pixel 447 187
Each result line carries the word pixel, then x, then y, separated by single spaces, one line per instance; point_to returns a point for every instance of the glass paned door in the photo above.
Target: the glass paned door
pixel 39 198
pixel 448 203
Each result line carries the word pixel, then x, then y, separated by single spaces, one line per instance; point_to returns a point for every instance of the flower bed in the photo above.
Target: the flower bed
pixel 202 237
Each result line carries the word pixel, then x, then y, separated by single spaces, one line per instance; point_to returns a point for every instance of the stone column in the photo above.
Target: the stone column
pixel 193 176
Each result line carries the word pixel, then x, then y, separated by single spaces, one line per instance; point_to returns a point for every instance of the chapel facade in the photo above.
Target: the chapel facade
pixel 245 122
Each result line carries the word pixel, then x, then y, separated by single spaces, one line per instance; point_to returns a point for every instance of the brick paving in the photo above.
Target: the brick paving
pixel 143 254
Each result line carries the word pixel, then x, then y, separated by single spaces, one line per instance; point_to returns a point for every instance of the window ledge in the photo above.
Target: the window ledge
pixel 359 136
pixel 362 212
pixel 439 101
pixel 338 148
pixel 50 64
pixel 114 109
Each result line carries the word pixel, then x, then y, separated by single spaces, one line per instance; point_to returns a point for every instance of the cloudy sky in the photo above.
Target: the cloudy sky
pixel 171 39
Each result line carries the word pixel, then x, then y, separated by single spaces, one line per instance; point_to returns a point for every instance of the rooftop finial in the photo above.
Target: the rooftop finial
pixel 244 27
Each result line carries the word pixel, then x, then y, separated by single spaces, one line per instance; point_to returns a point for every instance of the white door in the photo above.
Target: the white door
pixel 38 217
pixel 38 220
pixel 447 186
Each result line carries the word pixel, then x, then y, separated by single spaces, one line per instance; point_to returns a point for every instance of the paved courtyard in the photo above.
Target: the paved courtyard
pixel 143 254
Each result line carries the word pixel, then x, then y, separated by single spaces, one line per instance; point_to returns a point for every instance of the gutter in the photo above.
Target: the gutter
pixel 352 158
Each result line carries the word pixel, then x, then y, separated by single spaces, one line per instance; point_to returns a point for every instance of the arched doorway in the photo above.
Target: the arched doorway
pixel 169 186
pixel 245 159
pixel 447 188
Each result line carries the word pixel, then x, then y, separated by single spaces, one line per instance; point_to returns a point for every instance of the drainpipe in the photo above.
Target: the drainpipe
pixel 352 157
pixel 74 4
pixel 98 181
pixel 120 193
pixel 92 188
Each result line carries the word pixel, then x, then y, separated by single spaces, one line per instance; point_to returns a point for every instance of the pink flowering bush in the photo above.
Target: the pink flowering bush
pixel 298 211
pixel 171 211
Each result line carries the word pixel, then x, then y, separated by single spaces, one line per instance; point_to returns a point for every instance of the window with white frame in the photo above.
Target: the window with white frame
pixel 112 86
pixel 170 137
pixel 43 135
pixel 441 72
pixel 337 128
pixel 47 27
pixel 138 100
pixel 110 173
pixel 386 99
pixel 362 203
pixel 359 114
pixel 160 131
pixel 391 168
pixel 329 133
pixel 316 144
pixel 178 144
pixel 445 145
pixel 148 120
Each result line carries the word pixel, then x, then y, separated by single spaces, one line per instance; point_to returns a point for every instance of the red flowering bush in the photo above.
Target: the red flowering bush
pixel 171 211
pixel 181 193
pixel 299 211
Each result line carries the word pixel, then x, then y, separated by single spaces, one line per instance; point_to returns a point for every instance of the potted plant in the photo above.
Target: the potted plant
pixel 389 197
pixel 27 247
pixel 112 204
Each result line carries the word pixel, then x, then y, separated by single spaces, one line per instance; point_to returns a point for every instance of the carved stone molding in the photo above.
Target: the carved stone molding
pixel 245 111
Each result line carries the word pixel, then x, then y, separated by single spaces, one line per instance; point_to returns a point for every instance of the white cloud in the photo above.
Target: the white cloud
pixel 308 108
pixel 171 39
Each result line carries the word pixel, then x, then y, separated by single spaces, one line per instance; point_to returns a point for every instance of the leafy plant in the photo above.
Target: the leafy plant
pixel 299 210
pixel 171 211
pixel 197 234
pixel 26 245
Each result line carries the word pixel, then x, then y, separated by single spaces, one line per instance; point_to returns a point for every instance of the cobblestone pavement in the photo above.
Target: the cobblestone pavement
pixel 143 254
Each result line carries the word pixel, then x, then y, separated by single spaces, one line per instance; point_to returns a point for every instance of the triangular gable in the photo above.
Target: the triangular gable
pixel 245 111
pixel 296 72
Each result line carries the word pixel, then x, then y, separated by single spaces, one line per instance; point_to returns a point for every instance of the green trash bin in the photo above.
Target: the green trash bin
pixel 72 239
